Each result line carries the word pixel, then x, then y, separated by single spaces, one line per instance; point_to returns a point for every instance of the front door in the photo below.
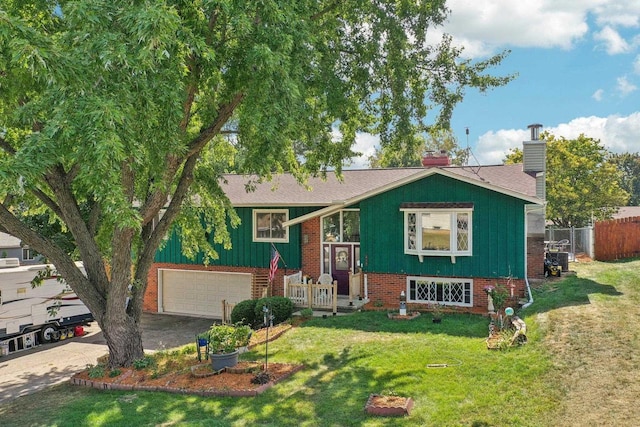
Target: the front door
pixel 341 246
pixel 341 262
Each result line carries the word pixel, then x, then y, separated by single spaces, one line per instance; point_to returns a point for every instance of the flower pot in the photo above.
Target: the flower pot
pixel 224 360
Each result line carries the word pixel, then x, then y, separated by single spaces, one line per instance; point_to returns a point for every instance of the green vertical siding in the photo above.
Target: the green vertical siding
pixel 244 252
pixel 498 231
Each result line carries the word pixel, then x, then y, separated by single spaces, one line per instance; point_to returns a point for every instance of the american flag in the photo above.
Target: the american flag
pixel 273 266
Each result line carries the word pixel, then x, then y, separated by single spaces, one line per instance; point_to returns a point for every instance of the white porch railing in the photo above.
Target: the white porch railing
pixel 311 295
pixel 355 286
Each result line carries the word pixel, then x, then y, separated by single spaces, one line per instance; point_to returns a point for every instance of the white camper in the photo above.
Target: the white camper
pixel 30 315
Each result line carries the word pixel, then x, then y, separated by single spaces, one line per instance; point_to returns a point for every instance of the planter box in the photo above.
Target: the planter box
pixel 388 406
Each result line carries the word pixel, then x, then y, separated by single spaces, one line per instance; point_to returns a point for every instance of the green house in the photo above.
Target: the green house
pixel 437 234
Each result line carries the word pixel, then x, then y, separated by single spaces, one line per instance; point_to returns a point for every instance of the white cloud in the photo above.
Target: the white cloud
pixel 625 87
pixel 617 13
pixel 618 134
pixel 597 95
pixel 613 42
pixel 636 65
pixel 483 27
pixel 366 144
pixel 493 147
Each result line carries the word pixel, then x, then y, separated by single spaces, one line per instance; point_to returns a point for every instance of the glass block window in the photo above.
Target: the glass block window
pixel 440 290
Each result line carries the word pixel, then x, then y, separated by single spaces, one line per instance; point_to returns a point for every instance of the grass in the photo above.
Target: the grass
pixel 578 369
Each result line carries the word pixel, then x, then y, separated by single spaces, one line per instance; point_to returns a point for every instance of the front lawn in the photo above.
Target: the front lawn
pixel 346 358
pixel 349 357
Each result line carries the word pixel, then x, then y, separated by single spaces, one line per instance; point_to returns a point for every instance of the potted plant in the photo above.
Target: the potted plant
pixel 224 341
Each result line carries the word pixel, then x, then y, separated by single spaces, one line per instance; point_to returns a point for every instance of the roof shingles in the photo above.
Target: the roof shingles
pixel 284 190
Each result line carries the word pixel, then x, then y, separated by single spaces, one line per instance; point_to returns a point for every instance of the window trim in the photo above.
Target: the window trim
pixel 32 255
pixel 441 280
pixel 340 237
pixel 419 209
pixel 254 218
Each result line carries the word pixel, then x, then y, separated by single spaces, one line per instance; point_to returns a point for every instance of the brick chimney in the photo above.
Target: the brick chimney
pixel 440 159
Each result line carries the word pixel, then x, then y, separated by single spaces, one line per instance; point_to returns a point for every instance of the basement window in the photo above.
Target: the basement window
pixel 440 290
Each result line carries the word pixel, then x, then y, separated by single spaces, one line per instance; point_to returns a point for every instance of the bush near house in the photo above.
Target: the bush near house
pixel 244 312
pixel 281 308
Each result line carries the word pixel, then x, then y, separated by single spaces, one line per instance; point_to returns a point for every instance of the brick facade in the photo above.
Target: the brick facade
pixel 385 289
pixel 535 257
pixel 311 248
pixel 382 288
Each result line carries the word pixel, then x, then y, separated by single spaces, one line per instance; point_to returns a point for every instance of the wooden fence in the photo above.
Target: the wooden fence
pixel 617 239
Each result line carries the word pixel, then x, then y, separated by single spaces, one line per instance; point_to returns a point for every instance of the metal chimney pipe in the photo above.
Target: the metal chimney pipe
pixel 535 131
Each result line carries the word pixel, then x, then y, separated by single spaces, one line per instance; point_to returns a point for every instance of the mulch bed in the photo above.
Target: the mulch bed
pixel 198 378
pixel 184 382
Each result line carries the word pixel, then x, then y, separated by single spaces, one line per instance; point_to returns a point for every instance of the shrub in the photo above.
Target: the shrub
pixel 245 312
pixel 143 363
pixel 281 308
pixel 306 312
pixel 96 371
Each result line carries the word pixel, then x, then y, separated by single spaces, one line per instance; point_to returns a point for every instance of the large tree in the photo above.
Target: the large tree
pixel 582 183
pixel 114 112
pixel 629 166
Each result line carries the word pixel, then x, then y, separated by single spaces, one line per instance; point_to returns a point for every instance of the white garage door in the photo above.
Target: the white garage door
pixel 201 292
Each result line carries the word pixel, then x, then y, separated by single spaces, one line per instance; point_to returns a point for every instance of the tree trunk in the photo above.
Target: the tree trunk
pixel 124 340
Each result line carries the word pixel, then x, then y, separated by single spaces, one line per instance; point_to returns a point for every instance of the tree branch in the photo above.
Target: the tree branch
pixel 224 114
pixel 324 11
pixel 60 259
pixel 158 198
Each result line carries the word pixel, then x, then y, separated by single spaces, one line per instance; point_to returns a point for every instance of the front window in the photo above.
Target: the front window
pixel 437 290
pixel 267 225
pixel 438 232
pixel 343 226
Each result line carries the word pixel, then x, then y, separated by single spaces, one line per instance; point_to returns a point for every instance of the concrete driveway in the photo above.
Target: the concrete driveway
pixel 32 370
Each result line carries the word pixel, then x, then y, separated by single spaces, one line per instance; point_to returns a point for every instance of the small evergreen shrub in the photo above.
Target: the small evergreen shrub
pixel 306 312
pixel 245 312
pixel 281 308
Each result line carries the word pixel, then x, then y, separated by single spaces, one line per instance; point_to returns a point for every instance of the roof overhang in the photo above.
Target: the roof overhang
pixel 407 180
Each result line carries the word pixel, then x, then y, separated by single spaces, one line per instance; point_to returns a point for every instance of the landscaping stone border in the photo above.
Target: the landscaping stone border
pixel 100 385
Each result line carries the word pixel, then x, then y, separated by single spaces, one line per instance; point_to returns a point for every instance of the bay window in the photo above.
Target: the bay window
pixel 436 229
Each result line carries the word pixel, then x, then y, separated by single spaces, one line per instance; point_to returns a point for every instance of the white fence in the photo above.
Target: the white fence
pixel 311 295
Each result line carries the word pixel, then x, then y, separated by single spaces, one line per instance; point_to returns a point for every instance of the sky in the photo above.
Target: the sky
pixel 578 71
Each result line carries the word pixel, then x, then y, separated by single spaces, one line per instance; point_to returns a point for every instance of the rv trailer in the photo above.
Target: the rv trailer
pixel 32 315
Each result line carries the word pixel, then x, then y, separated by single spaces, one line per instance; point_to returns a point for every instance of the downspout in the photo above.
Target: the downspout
pixel 526 259
pixel 528 303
